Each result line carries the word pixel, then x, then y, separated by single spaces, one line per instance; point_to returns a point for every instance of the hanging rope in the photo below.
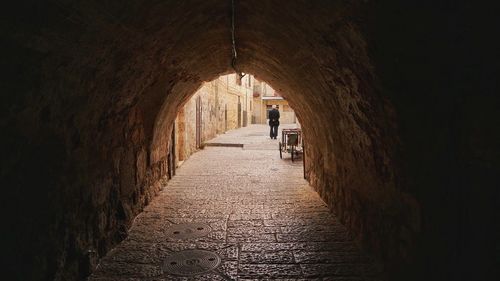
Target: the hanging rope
pixel 234 53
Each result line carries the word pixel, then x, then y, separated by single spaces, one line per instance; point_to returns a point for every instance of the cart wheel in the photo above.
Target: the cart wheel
pixel 292 152
pixel 281 155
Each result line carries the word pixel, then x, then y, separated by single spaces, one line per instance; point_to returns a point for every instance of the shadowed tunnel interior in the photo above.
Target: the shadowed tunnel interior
pixel 397 105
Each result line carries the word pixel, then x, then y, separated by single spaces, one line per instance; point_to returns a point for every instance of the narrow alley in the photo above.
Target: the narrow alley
pixel 235 213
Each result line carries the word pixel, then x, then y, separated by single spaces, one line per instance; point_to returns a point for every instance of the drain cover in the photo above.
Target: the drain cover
pixel 188 230
pixel 190 262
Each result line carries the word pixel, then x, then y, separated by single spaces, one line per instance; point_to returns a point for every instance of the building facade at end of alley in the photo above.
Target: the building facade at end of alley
pixel 224 104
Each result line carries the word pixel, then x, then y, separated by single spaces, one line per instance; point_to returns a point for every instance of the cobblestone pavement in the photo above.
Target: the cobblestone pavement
pixel 258 215
pixel 252 137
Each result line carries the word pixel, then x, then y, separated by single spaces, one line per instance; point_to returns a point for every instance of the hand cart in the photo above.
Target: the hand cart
pixel 291 142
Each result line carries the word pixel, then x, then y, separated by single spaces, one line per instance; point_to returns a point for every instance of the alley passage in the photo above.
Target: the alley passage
pixel 256 213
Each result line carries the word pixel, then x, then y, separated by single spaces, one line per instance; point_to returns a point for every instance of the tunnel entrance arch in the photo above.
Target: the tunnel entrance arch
pixel 348 126
pixel 348 160
pixel 108 85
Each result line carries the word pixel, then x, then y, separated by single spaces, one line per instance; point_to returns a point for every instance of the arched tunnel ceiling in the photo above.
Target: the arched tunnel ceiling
pixel 288 54
pixel 114 74
pixel 97 84
pixel 317 59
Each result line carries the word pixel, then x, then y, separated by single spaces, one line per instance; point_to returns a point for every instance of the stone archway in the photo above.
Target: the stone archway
pixel 97 86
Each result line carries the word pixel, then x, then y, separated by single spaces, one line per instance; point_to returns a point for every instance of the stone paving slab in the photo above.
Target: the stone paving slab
pixel 266 223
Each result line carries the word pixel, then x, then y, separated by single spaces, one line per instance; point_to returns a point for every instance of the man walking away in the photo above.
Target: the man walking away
pixel 274 122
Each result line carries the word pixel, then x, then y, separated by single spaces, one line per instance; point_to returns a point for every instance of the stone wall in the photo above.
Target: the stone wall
pixel 237 94
pixel 219 113
pixel 287 116
pixel 261 103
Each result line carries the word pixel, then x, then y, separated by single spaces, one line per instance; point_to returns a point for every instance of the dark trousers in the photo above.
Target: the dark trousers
pixel 274 131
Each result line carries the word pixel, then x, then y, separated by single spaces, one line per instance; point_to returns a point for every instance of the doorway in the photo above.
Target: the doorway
pixel 171 155
pixel 198 121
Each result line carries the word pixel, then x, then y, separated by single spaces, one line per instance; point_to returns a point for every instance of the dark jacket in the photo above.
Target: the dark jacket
pixel 274 117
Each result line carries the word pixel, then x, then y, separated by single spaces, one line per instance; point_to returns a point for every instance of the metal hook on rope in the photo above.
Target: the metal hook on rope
pixel 234 53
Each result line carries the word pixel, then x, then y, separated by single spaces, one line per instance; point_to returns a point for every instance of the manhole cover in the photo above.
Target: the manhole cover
pixel 188 230
pixel 190 262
